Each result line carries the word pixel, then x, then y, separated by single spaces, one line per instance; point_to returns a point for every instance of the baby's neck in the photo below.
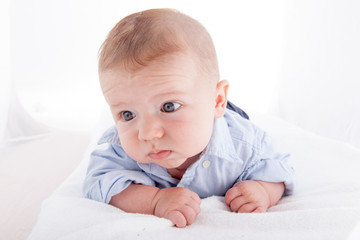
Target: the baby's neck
pixel 176 173
pixel 179 171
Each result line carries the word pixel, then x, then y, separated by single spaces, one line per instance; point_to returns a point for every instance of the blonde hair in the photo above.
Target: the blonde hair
pixel 144 36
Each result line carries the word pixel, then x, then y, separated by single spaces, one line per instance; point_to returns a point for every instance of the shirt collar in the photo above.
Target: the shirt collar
pixel 110 136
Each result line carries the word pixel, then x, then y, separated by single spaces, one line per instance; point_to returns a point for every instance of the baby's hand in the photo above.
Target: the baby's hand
pixel 247 196
pixel 180 205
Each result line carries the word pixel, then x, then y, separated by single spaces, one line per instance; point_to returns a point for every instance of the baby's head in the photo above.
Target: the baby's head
pixel 142 37
pixel 159 74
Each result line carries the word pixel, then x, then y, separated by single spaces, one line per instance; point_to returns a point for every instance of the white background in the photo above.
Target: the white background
pixel 54 47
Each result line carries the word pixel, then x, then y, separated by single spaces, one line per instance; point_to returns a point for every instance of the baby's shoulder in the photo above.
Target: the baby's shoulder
pixel 243 131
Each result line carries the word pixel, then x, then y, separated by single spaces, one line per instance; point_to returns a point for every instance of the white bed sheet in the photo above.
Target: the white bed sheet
pixel 326 205
pixel 30 170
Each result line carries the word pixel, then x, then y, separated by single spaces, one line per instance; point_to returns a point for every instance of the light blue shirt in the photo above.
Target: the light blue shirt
pixel 237 151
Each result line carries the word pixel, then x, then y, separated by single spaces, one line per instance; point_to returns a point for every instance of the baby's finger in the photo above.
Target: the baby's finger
pixel 177 218
pixel 189 213
pixel 237 203
pixel 259 210
pixel 196 197
pixel 231 194
pixel 195 205
pixel 247 208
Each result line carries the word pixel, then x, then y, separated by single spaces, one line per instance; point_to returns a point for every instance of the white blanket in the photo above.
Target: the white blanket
pixel 326 205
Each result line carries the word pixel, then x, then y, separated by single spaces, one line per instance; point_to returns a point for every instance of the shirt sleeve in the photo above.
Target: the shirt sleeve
pixel 271 166
pixel 110 171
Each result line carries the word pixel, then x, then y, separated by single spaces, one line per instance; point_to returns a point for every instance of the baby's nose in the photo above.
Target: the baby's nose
pixel 150 128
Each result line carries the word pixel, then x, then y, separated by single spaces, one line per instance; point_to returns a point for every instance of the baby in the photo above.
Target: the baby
pixel 174 140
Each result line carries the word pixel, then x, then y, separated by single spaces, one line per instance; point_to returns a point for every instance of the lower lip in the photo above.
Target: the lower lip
pixel 160 155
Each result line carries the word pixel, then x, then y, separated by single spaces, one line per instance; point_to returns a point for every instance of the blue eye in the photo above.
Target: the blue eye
pixel 127 115
pixel 170 107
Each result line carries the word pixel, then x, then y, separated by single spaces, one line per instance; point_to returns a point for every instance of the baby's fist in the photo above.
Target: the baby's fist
pixel 180 205
pixel 247 196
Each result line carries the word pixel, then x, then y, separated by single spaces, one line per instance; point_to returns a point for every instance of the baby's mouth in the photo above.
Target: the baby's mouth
pixel 159 155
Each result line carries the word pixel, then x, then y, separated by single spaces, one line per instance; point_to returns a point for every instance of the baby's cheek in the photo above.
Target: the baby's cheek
pixel 132 149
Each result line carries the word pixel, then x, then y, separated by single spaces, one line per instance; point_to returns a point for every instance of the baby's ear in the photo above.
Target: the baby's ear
pixel 221 98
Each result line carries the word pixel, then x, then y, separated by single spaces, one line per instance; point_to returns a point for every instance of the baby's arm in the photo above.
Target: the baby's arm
pixel 179 205
pixel 254 196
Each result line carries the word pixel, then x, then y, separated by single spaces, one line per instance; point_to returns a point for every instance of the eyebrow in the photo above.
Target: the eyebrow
pixel 164 94
pixel 173 92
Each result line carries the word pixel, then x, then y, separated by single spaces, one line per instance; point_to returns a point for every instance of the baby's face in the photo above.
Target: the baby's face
pixel 164 113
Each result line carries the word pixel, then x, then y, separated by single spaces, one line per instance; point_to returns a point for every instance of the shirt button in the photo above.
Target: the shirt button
pixel 206 163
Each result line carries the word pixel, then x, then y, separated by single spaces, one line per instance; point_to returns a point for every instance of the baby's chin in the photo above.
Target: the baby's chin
pixel 171 163
pixel 181 164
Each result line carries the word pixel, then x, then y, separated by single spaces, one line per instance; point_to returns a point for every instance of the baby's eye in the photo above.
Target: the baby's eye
pixel 170 107
pixel 127 115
